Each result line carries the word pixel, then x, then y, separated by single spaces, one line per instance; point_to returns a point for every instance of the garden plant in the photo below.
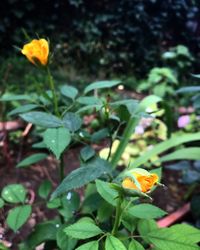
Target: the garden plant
pixel 99 205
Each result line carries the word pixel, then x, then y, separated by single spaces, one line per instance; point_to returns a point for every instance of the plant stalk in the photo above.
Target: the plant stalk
pixel 52 87
pixel 117 216
pixel 124 141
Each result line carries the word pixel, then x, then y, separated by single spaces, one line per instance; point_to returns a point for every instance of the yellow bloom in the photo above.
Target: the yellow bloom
pixel 145 179
pixel 37 51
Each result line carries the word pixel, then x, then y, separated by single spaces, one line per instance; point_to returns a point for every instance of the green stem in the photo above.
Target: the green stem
pixel 62 173
pixel 124 141
pixel 52 87
pixel 117 216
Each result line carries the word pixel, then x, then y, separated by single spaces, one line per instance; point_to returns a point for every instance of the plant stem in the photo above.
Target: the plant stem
pixel 62 173
pixel 124 141
pixel 52 87
pixel 117 216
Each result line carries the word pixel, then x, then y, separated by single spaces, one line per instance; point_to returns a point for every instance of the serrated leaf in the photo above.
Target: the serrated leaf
pixel 135 245
pixel 83 175
pixel 18 216
pixel 100 85
pixel 167 239
pixel 82 230
pixel 72 121
pixel 42 119
pixel 113 243
pixel 186 231
pixel 69 91
pixel 23 109
pixel 146 211
pixel 87 153
pixel 63 241
pixel 57 139
pixel 92 245
pixel 31 160
pixel 44 189
pixel 14 193
pixel 106 192
pixel 145 226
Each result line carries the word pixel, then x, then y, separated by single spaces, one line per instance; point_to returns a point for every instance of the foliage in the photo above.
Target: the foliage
pixel 110 215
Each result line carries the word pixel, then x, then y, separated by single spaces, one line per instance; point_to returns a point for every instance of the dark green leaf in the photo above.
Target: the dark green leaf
pixel 23 109
pixel 44 189
pixel 83 175
pixel 87 153
pixel 89 100
pixel 42 119
pixel 57 139
pixel 72 121
pixel 100 85
pixel 30 160
pixel 63 241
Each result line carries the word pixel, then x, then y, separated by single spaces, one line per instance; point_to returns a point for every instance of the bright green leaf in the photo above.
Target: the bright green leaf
pixel 82 230
pixel 14 193
pixel 18 216
pixel 106 192
pixel 135 245
pixel 113 243
pixel 92 245
pixel 1 203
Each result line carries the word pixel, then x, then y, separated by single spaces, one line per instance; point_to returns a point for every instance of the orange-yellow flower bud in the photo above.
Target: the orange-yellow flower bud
pixel 146 181
pixel 37 51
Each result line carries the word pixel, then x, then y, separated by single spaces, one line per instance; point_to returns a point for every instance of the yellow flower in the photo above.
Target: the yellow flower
pixel 145 180
pixel 37 51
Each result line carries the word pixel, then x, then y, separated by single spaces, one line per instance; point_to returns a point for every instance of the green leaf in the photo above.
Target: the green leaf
pixel 1 203
pixel 82 230
pixel 87 153
pixel 186 231
pixel 18 216
pixel 146 211
pixel 129 222
pixel 39 145
pixel 63 241
pixel 30 160
pixel 164 146
pixel 42 119
pixel 72 121
pixel 69 91
pixel 167 239
pixel 11 97
pixel 23 109
pixel 45 189
pixel 105 211
pixel 135 245
pixel 89 100
pixel 148 101
pixel 79 177
pixel 145 226
pixel 192 153
pixel 14 193
pixel 57 139
pixel 188 89
pixel 92 245
pixel 113 243
pixel 42 232
pixel 101 85
pixel 106 192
